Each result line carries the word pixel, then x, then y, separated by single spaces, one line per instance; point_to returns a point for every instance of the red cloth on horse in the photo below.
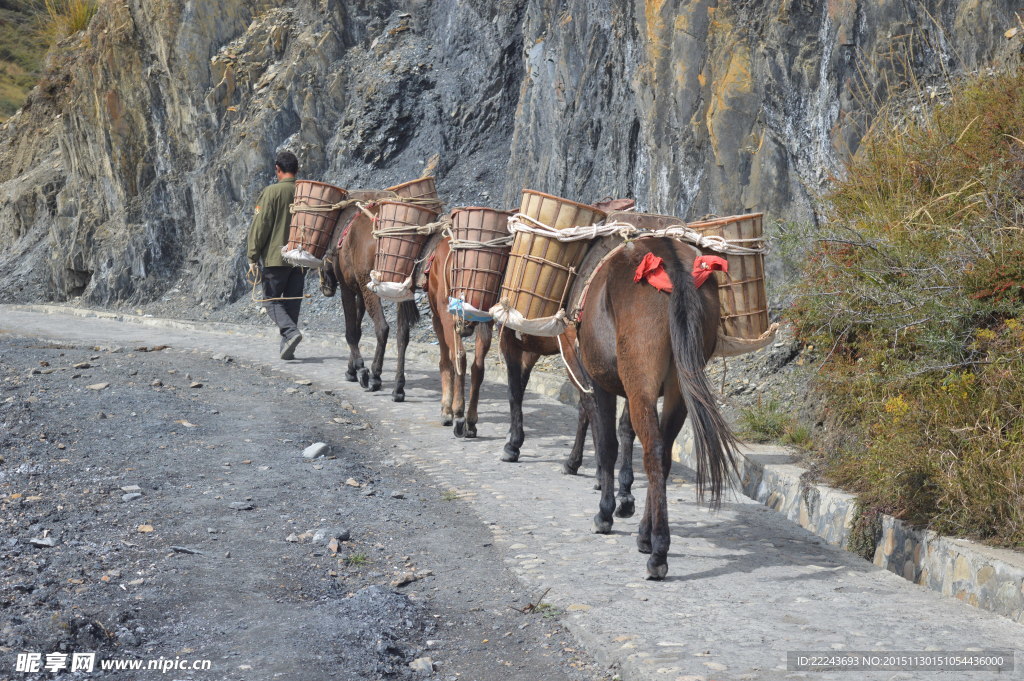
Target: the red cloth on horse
pixel 652 270
pixel 704 265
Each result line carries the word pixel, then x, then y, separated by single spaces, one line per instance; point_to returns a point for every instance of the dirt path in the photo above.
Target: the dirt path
pixel 170 485
pixel 746 588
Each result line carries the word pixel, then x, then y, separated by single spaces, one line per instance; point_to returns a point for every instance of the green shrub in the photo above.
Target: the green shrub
pixel 764 421
pixel 915 290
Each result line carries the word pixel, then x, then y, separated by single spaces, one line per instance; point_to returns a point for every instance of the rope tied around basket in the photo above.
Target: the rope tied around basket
pixel 524 223
pixel 713 242
pixel 309 208
pixel 467 244
pixel 411 230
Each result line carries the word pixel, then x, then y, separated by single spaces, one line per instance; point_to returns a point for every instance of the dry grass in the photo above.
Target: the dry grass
pixel 916 290
pixel 58 19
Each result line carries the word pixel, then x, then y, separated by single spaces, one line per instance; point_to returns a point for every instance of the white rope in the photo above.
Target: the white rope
pixel 572 376
pixel 712 242
pixel 524 223
pixel 466 244
pixel 397 230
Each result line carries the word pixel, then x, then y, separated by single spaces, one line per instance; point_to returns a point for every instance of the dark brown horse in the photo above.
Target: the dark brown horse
pixel 453 354
pixel 640 343
pixel 350 271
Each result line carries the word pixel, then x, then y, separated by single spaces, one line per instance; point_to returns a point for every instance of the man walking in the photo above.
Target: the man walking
pixel 282 284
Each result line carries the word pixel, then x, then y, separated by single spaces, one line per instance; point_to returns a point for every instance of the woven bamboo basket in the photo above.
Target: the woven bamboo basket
pixel 741 291
pixel 397 254
pixel 541 269
pixel 421 192
pixel 312 230
pixel 477 272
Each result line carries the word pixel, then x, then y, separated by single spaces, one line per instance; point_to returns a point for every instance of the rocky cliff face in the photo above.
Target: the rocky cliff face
pixel 134 165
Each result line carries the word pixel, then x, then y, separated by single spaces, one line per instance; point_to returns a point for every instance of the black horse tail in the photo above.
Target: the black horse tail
pixel 407 310
pixel 714 441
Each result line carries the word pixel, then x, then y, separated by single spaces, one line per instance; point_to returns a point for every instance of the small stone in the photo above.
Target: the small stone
pixel 145 529
pixel 97 386
pixel 227 554
pixel 131 496
pixel 291 391
pixel 334 545
pixel 352 482
pixel 304 381
pixel 315 450
pixel 131 488
pixel 195 384
pixel 292 538
pixel 397 495
pixel 43 542
pixel 157 383
pixel 137 582
pixel 241 505
pixel 422 665
pixel 83 365
pixel 369 492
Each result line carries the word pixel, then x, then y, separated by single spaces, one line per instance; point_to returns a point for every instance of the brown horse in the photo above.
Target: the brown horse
pixel 350 270
pixel 639 343
pixel 453 354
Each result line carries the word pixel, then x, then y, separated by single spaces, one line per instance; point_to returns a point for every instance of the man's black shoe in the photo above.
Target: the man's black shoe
pixel 288 346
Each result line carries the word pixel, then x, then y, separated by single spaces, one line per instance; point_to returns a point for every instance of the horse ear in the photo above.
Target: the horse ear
pixel 609 204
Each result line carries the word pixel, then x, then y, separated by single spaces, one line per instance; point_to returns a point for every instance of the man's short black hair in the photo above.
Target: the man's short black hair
pixel 287 162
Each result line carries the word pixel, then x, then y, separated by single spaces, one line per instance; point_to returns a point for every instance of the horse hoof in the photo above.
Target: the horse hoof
pixel 470 430
pixel 510 455
pixel 364 378
pixel 602 526
pixel 374 386
pixel 643 544
pixel 350 376
pixel 570 469
pixel 460 427
pixel 656 571
pixel 597 485
pixel 626 509
pixel 398 397
pixel 446 421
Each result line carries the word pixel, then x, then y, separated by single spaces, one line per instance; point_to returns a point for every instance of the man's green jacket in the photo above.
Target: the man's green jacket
pixel 269 229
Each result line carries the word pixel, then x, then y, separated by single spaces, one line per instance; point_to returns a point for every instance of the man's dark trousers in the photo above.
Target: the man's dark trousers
pixel 284 282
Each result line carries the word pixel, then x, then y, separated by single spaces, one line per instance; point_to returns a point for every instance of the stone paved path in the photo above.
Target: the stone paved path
pixel 745 586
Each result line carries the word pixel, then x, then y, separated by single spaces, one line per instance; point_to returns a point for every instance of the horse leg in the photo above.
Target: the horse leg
pixel 673 414
pixel 519 365
pixel 370 379
pixel 406 318
pixel 575 459
pixel 459 392
pixel 654 533
pixel 601 413
pixel 627 505
pixel 354 311
pixel 483 346
pixel 444 367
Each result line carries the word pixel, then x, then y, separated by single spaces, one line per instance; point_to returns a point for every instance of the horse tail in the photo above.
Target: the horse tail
pixel 407 309
pixel 714 441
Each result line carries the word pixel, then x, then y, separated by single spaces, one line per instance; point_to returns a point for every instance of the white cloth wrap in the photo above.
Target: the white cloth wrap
pixel 544 326
pixel 730 346
pixel 390 289
pixel 297 257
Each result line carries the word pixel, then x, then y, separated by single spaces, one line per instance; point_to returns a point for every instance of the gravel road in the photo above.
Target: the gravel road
pixel 155 503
